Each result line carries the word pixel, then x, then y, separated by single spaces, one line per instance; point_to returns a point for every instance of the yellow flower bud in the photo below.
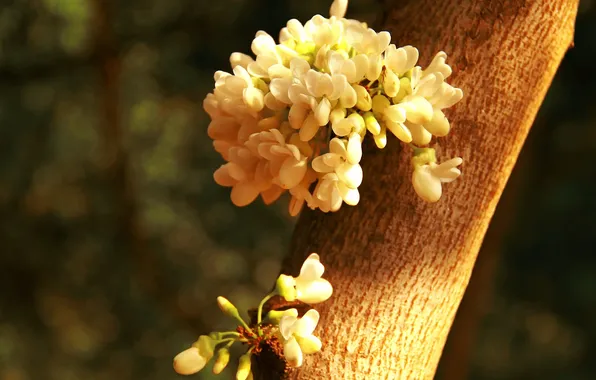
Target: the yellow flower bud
pixel 405 89
pixel 285 287
pixel 227 307
pixel 243 367
pixel 222 360
pixel 371 123
pixel 364 102
pixel 381 138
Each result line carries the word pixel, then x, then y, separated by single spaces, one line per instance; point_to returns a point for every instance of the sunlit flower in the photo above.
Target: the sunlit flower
pixel 427 178
pixel 308 287
pixel 297 336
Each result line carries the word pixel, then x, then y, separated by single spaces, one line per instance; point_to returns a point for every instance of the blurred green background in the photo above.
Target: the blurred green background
pixel 115 240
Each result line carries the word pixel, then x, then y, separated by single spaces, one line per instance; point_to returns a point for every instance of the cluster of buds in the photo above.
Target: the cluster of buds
pixel 294 117
pixel 284 327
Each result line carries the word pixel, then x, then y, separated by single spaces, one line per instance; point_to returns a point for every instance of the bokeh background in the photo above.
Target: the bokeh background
pixel 115 241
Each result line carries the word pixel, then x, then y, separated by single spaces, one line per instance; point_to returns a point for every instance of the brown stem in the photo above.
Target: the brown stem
pixel 116 165
pixel 400 266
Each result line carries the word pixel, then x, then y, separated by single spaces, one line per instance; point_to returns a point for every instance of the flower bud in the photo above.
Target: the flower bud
pixel 193 359
pixel 381 138
pixel 405 89
pixel 222 360
pixel 227 307
pixel 243 367
pixel 391 83
pixel 189 362
pixel 285 287
pixel 371 123
pixel 274 316
pixel 364 102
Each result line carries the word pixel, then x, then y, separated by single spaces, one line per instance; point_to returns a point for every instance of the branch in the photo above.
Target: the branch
pixel 400 266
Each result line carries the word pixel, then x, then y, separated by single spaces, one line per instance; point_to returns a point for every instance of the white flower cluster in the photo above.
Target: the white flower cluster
pixel 294 117
pixel 295 334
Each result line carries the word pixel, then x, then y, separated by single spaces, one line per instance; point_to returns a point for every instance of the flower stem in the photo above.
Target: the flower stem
pixel 260 310
pixel 233 333
pixel 245 325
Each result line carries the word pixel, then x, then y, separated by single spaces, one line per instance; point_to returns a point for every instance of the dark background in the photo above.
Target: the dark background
pixel 111 258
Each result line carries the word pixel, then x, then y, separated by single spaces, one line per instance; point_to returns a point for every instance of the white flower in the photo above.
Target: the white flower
pixel 192 360
pixel 308 287
pixel 343 159
pixel 438 95
pixel 427 178
pixel 331 192
pixel 297 336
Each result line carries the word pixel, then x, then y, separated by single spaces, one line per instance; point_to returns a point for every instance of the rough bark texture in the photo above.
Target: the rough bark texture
pixel 400 266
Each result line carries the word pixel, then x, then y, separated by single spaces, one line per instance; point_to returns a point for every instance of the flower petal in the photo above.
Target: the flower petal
pixel 315 291
pixel 243 194
pixel 439 125
pixel 309 344
pixel 354 149
pixel 319 165
pixel 286 325
pixel 309 128
pixel 350 196
pixel 322 112
pixel 292 172
pixel 427 186
pixel 272 194
pixel 307 324
pixel 293 353
pixel 350 174
pixel 223 178
pixel 400 131
pixel 311 268
pixel 337 146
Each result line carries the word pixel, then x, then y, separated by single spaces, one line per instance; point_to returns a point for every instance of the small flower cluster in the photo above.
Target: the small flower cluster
pixel 294 333
pixel 294 117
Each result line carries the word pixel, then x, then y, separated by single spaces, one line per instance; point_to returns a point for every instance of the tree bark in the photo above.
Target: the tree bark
pixel 400 266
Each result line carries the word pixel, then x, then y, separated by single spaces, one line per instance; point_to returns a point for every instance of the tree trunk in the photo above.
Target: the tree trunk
pixel 400 266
